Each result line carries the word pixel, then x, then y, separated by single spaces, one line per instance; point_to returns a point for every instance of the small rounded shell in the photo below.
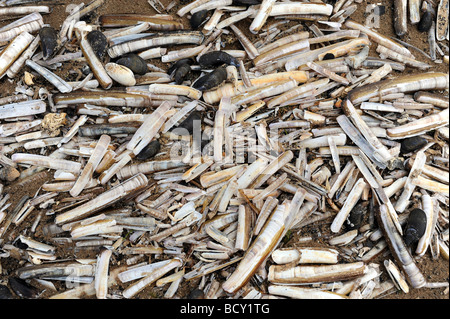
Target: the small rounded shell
pixel 120 74
pixel 198 18
pixel 425 22
pixel 135 63
pixel 211 80
pixel 415 227
pixel 412 144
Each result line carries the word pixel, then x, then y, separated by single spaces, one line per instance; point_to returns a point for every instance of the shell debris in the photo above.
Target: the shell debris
pixel 302 147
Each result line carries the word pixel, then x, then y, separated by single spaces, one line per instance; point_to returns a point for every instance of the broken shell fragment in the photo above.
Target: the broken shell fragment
pixel 220 166
pixel 425 22
pixel 198 18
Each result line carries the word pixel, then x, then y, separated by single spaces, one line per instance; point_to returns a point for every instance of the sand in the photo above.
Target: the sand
pixel 434 270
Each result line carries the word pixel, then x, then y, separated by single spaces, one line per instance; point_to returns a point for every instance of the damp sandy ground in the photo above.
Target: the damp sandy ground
pixel 434 270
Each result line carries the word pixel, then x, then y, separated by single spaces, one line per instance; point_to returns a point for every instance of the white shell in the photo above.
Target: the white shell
pixel 120 74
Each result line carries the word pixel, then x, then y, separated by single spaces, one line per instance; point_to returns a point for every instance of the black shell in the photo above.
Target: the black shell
pixel 180 70
pixel 98 42
pixel 211 80
pixel 189 123
pixel 412 144
pixel 181 73
pixel 217 58
pixel 179 63
pixel 196 294
pixel 49 41
pixel 329 56
pixel 149 151
pixel 415 226
pixel 5 293
pixel 246 2
pixel 22 289
pixel 425 22
pixel 356 216
pixel 198 18
pixel 134 62
pixel 19 244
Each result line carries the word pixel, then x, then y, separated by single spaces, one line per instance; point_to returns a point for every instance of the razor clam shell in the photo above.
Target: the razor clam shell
pixel 251 179
pixel 59 83
pixel 106 199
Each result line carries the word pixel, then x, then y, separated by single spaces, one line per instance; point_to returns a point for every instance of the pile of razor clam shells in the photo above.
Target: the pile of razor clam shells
pixel 172 161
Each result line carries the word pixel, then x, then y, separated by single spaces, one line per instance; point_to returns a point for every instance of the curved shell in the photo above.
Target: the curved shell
pixel 49 41
pixel 134 62
pixel 98 42
pixel 120 74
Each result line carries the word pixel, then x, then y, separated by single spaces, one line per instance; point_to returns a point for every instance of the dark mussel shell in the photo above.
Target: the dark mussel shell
pixel 22 289
pixel 181 69
pixel 98 42
pixel 198 18
pixel 181 73
pixel 217 58
pixel 329 56
pixel 356 216
pixel 415 226
pixel 19 244
pixel 179 63
pixel 196 294
pixel 5 293
pixel 85 69
pixel 49 41
pixel 189 123
pixel 412 144
pixel 134 62
pixel 425 22
pixel 149 151
pixel 246 2
pixel 211 80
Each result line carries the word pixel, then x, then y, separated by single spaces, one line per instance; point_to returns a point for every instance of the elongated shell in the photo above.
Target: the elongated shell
pixel 12 52
pixel 54 79
pixel 94 62
pixel 305 255
pixel 258 252
pixel 420 126
pixel 301 8
pixel 103 200
pixel 399 249
pixel 311 274
pixel 101 274
pixel 46 161
pixel 401 84
pixel 303 293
